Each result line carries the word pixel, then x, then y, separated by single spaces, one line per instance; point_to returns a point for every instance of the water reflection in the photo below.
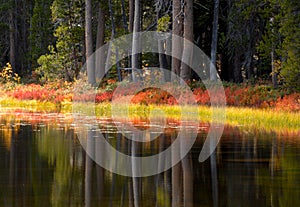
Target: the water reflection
pixel 43 163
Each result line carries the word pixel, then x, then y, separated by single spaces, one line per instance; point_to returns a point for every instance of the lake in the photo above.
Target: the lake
pixel 42 163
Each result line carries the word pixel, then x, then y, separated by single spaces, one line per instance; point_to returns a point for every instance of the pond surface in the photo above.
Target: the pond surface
pixel 42 163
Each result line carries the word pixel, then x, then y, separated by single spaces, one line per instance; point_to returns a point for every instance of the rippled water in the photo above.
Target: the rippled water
pixel 43 164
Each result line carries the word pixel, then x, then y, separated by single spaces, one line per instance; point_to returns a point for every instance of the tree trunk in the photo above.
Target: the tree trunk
pixel 114 33
pixel 176 46
pixel 131 15
pixel 274 72
pixel 135 62
pixel 237 74
pixel 225 69
pixel 248 62
pixel 248 56
pixel 100 59
pixel 89 42
pixel 214 43
pixel 100 28
pixel 124 17
pixel 163 63
pixel 12 46
pixel 185 72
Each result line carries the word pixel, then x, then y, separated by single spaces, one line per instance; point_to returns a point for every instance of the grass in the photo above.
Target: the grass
pixel 31 105
pixel 265 119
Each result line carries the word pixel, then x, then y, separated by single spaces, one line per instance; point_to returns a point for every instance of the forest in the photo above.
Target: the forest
pixel 252 42
pixel 227 137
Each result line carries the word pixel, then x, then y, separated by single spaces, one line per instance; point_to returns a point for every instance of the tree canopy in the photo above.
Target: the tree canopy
pixel 248 40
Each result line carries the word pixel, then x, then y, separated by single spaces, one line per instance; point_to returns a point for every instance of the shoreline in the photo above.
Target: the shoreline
pixel 267 119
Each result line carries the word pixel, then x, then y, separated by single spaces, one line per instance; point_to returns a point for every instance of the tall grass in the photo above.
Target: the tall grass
pixel 266 119
pixel 31 105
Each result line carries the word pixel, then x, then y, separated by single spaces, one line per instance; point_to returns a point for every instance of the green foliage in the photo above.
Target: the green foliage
pixel 65 59
pixel 41 31
pixel 50 66
pixel 163 23
pixel 282 37
pixel 244 29
pixel 290 28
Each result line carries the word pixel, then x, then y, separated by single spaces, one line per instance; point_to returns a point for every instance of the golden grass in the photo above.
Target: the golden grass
pixel 266 119
pixel 31 105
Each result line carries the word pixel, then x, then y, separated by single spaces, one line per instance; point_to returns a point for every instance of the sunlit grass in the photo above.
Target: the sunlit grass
pixel 263 118
pixel 31 105
pixel 266 119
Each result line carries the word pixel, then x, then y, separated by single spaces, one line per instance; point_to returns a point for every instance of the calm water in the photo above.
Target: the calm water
pixel 43 164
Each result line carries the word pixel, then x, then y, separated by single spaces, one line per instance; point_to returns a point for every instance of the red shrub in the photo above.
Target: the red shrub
pixel 289 102
pixel 103 97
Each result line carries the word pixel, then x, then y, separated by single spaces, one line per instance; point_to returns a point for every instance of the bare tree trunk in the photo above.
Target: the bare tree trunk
pixel 135 62
pixel 274 72
pixel 214 43
pixel 89 42
pixel 124 17
pixel 114 33
pixel 248 62
pixel 100 59
pixel 12 46
pixel 248 56
pixel 177 30
pixel 100 28
pixel 163 63
pixel 185 72
pixel 24 38
pixel 237 74
pixel 131 15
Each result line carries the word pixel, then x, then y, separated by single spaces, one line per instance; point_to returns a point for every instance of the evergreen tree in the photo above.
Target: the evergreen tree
pixel 65 59
pixel 245 28
pixel 41 31
pixel 290 29
pixel 271 43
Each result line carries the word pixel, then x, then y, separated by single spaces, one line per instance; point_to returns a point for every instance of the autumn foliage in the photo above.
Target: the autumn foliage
pixel 241 96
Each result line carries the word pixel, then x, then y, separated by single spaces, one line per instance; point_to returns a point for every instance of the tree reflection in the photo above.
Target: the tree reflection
pixel 44 164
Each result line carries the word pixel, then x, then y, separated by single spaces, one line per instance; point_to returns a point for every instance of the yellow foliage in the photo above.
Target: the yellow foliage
pixel 7 75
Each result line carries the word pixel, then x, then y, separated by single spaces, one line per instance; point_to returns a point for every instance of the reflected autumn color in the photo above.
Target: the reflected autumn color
pixel 43 164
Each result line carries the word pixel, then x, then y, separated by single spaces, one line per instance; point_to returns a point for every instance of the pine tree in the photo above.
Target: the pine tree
pixel 66 58
pixel 41 31
pixel 290 29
